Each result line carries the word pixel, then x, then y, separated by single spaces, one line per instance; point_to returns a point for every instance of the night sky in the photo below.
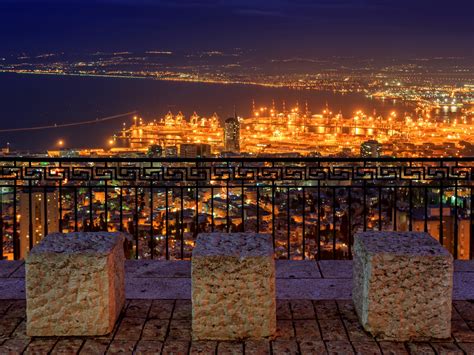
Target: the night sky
pixel 377 28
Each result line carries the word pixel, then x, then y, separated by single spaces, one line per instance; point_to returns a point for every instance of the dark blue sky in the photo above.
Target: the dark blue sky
pixel 382 28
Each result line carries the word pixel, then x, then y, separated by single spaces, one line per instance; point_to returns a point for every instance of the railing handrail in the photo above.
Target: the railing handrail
pixel 233 159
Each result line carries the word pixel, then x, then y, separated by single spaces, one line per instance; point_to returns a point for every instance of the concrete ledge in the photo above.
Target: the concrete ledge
pixel 154 279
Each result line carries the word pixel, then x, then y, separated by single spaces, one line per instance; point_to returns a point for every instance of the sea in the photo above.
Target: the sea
pixel 29 100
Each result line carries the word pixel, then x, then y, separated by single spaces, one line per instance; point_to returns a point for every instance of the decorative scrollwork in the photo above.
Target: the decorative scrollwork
pixel 270 171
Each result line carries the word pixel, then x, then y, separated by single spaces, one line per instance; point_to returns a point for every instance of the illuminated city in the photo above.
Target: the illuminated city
pixel 236 177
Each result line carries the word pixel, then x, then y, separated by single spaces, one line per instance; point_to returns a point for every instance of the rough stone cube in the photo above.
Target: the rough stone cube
pixel 75 284
pixel 233 286
pixel 402 285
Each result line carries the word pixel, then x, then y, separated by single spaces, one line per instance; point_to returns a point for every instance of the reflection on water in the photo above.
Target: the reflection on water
pixel 29 100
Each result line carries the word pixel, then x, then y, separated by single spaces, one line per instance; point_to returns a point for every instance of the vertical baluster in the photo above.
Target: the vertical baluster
pixel 91 206
pixel 395 208
pixel 425 204
pixel 182 223
pixel 334 223
pixel 106 201
pixel 45 207
pixel 273 213
pixel 167 217
pixel 30 212
pixel 258 209
pixel 410 205
pixel 152 233
pixel 471 225
pixel 303 207
pixel 319 220
pixel 61 227
pixel 288 221
pixel 16 242
pixel 456 226
pixel 441 193
pixel 135 217
pixel 349 221
pixel 364 204
pixel 227 206
pixel 380 208
pixel 121 209
pixel 212 209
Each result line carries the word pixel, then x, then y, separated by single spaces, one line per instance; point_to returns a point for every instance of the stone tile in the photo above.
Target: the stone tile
pixel 356 332
pixel 130 328
pixel 158 288
pixel 465 309
pixel 326 309
pixel 312 347
pixel 455 314
pixel 158 268
pixel 180 330
pixel 336 269
pixel 467 347
pixel 203 347
pixel 463 265
pixel 155 329
pixel 285 330
pixel 332 329
pixel 283 309
pixel 148 347
pixel 366 348
pixel 463 286
pixel 17 309
pixel 182 309
pixel 347 310
pixel 393 348
pixel 94 346
pixel 447 349
pixel 121 346
pixel 12 289
pixel 420 349
pixel 111 335
pixel 285 347
pixel 175 347
pixel 19 273
pixel 230 348
pixel 14 346
pixel 307 330
pixel 67 346
pixel 161 309
pixel 313 289
pixel 257 347
pixel 20 331
pixel 302 309
pixel 8 325
pixel 40 346
pixel 297 269
pixel 339 348
pixel 461 332
pixel 4 304
pixel 8 267
pixel 138 308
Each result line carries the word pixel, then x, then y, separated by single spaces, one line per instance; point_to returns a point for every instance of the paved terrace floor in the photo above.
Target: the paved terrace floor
pixel 315 315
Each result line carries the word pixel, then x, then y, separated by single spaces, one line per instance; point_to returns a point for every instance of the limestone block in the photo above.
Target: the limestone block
pixel 233 287
pixel 402 285
pixel 75 284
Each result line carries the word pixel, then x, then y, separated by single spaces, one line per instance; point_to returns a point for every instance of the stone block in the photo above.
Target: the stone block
pixel 402 285
pixel 233 287
pixel 75 284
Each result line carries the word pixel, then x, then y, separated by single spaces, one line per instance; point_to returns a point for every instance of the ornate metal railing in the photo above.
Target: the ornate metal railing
pixel 311 206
